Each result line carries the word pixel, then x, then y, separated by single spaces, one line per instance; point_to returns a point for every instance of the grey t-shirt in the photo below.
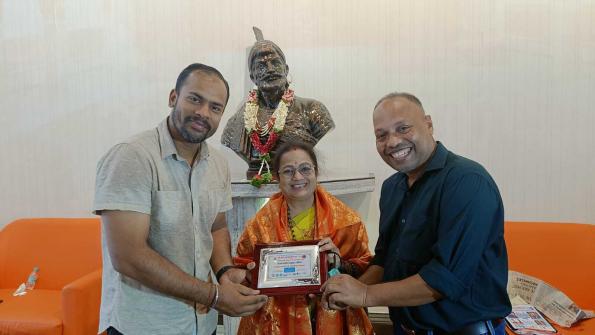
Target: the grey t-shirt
pixel 145 174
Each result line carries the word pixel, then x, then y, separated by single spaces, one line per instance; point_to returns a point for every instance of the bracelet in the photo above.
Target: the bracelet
pixel 350 268
pixel 216 298
pixel 365 296
pixel 211 295
pixel 222 271
pixel 340 258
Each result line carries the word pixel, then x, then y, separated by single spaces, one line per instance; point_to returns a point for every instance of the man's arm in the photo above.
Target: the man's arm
pixel 222 256
pixel 222 253
pixel 345 290
pixel 411 291
pixel 131 255
pixel 373 275
pixel 221 243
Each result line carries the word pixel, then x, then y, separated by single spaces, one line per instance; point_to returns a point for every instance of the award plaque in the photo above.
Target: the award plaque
pixel 289 268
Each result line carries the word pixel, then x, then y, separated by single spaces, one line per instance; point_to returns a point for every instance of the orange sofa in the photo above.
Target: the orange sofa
pixel 67 294
pixel 561 254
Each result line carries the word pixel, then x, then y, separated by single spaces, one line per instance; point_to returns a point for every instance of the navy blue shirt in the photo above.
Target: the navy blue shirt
pixel 448 227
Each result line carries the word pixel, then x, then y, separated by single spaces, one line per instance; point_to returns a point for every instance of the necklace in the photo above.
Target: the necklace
pixel 273 128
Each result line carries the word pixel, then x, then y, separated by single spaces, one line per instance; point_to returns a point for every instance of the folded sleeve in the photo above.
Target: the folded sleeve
pixel 379 251
pixel 471 210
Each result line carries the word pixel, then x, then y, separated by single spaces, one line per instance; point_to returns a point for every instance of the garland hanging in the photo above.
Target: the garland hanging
pixel 272 128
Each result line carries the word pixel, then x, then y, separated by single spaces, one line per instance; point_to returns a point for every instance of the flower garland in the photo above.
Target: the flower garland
pixel 276 123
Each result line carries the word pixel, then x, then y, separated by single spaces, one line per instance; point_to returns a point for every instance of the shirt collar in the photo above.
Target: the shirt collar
pixel 168 147
pixel 438 159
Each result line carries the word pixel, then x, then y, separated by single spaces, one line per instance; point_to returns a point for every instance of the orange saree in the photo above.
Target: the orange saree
pixel 289 314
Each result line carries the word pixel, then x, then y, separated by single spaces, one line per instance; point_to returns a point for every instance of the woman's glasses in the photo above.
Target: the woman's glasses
pixel 305 169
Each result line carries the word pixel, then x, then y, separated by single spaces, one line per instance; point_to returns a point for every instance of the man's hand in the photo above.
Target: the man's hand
pixel 239 275
pixel 238 300
pixel 343 290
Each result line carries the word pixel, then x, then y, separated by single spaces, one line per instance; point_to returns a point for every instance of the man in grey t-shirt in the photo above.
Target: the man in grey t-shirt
pixel 162 197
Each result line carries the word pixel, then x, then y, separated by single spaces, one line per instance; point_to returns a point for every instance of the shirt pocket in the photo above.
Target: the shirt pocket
pixel 415 241
pixel 210 201
pixel 170 211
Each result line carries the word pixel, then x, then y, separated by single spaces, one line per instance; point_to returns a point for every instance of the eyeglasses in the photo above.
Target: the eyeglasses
pixel 305 169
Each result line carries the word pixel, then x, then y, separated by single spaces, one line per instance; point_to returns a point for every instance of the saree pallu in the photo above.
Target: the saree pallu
pixel 289 315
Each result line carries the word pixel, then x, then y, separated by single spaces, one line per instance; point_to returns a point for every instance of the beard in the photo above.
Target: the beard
pixel 182 126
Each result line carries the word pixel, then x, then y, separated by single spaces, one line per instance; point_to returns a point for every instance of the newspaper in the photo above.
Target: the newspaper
pixel 551 302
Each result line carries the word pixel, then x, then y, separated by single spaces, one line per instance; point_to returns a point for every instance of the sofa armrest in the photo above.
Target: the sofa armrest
pixel 80 305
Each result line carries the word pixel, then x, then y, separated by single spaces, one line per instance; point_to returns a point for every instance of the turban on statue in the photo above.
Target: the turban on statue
pixel 259 44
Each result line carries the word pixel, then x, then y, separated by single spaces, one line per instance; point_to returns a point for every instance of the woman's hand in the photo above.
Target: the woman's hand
pixel 334 257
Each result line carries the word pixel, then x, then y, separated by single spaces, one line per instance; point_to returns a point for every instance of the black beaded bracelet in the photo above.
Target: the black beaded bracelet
pixel 350 268
pixel 337 254
pixel 222 271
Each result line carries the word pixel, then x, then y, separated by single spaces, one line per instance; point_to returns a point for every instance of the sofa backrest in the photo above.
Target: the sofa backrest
pixel 561 254
pixel 64 249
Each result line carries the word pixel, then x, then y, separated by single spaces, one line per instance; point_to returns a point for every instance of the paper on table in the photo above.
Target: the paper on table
pixel 551 302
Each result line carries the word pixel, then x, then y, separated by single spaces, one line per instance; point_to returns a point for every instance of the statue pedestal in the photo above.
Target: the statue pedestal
pixel 247 200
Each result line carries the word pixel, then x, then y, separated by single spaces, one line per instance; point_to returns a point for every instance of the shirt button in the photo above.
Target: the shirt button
pixel 402 220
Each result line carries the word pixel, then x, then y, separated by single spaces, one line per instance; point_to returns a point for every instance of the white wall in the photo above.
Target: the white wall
pixel 508 83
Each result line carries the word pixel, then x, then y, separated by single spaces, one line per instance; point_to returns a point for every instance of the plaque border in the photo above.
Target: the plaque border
pixel 306 289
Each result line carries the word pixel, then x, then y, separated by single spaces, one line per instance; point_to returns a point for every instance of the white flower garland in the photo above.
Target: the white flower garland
pixel 251 111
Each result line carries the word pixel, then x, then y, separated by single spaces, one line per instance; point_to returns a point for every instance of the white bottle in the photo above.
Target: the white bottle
pixel 32 279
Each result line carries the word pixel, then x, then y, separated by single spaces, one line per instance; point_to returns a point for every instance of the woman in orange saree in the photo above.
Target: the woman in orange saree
pixel 305 211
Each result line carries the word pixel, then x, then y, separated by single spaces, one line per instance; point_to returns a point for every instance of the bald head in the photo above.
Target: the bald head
pixel 403 107
pixel 404 134
pixel 393 95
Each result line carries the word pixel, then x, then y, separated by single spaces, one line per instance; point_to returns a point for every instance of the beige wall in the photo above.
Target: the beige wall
pixel 508 83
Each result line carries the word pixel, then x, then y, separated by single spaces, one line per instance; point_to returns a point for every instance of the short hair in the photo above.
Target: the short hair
pixel 292 145
pixel 260 44
pixel 403 95
pixel 202 68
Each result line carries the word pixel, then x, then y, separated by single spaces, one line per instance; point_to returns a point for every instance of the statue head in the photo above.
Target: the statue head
pixel 267 66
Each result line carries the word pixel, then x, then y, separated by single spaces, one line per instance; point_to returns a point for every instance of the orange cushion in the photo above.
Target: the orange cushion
pixel 64 249
pixel 561 254
pixel 37 312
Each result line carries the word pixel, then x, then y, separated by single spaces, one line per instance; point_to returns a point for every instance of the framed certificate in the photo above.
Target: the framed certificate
pixel 289 268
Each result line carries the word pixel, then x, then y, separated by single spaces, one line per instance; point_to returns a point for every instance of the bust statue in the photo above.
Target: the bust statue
pixel 272 115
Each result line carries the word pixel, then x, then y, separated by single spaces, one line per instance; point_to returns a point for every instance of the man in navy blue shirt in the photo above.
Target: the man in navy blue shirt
pixel 441 263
